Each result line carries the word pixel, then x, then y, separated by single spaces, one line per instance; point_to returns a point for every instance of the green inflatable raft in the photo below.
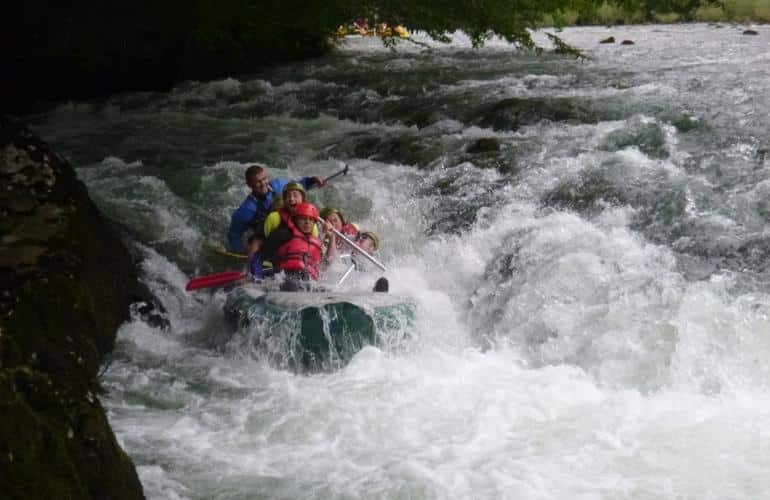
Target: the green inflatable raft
pixel 316 331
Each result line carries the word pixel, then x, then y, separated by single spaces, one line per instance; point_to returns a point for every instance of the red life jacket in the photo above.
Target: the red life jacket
pixel 349 229
pixel 302 252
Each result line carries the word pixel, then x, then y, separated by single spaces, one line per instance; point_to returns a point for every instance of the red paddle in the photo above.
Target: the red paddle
pixel 214 280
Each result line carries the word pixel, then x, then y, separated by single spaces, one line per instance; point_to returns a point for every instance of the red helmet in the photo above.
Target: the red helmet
pixel 306 209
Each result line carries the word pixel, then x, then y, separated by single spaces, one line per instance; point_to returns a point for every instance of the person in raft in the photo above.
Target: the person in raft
pixel 295 248
pixel 258 204
pixel 369 242
pixel 338 222
pixel 293 194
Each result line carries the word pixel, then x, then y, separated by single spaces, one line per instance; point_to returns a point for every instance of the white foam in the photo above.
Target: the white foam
pixel 554 354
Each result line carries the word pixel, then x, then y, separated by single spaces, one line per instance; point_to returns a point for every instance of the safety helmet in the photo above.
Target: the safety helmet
pixel 327 211
pixel 372 236
pixel 294 186
pixel 306 209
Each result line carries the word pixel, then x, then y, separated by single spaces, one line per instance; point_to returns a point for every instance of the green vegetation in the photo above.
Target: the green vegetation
pixel 738 11
pixel 611 13
pixel 67 50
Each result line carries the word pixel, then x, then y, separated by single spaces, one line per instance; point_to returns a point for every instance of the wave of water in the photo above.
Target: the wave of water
pixel 592 288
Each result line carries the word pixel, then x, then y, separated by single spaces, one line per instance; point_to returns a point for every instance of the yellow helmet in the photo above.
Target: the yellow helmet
pixel 372 236
pixel 294 186
pixel 327 211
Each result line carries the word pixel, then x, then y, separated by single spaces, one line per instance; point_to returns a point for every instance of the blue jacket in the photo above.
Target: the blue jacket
pixel 254 210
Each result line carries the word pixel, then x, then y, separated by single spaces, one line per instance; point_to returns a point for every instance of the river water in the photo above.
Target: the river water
pixel 591 285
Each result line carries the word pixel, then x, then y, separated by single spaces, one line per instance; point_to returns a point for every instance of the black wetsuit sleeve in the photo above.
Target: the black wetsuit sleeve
pixel 277 238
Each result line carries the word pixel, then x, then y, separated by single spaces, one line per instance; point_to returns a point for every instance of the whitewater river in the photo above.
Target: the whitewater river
pixel 592 284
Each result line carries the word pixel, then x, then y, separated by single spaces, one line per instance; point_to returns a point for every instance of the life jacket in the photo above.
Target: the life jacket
pixel 349 229
pixel 302 253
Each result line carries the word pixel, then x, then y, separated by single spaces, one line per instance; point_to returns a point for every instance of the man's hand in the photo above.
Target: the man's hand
pixel 318 181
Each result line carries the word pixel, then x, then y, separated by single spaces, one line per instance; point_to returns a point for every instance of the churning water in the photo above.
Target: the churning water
pixel 587 244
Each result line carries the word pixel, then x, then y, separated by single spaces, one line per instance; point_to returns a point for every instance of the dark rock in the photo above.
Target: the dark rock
pixel 484 145
pixel 627 42
pixel 687 123
pixel 608 40
pixel 648 137
pixel 148 308
pixel 404 149
pixel 512 113
pixel 585 194
pixel 66 286
pixel 750 32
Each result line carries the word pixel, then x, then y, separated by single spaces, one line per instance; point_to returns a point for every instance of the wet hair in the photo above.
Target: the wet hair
pixel 327 211
pixel 253 171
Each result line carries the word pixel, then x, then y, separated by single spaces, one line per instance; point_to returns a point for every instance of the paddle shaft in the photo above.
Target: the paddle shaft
pixel 357 248
pixel 344 171
pixel 347 273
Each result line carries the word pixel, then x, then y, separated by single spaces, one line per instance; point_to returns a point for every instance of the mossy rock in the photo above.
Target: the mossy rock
pixel 648 137
pixel 483 145
pixel 406 150
pixel 585 194
pixel 60 308
pixel 513 113
pixel 58 444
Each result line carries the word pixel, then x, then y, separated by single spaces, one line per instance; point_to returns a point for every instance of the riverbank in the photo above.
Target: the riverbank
pixel 729 11
pixel 67 283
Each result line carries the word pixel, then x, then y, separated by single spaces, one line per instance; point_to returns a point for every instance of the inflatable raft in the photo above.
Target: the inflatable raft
pixel 316 331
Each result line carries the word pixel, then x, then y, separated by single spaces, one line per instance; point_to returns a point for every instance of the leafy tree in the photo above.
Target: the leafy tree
pixel 95 47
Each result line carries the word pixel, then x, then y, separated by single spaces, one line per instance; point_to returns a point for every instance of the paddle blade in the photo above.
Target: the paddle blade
pixel 214 280
pixel 223 252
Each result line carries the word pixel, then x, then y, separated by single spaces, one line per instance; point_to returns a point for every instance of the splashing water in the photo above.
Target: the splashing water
pixel 585 243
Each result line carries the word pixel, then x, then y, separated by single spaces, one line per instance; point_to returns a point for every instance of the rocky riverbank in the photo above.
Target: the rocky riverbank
pixel 67 282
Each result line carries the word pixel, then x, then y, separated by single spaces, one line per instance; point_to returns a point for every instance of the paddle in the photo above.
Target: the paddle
pixel 214 280
pixel 358 248
pixel 347 273
pixel 223 252
pixel 344 171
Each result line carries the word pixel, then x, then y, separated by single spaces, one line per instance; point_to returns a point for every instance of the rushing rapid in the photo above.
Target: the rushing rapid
pixel 586 244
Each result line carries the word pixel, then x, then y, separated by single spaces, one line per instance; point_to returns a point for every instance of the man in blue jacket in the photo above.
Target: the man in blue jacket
pixel 257 205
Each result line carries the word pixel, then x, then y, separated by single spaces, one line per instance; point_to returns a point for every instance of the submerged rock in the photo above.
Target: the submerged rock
pixel 67 282
pixel 515 112
pixel 750 32
pixel 610 39
pixel 406 149
pixel 648 137
pixel 627 42
pixel 484 145
pixel 587 194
